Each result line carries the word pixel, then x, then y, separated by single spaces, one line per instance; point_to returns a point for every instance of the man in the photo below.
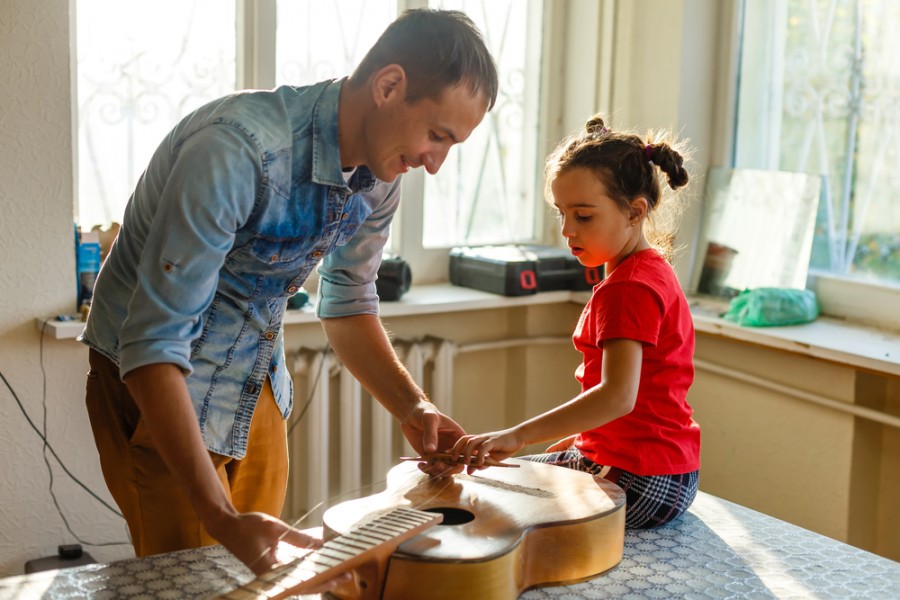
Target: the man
pixel 188 390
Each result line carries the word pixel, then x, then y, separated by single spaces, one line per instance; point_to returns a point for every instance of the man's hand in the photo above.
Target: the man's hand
pixel 253 538
pixel 428 430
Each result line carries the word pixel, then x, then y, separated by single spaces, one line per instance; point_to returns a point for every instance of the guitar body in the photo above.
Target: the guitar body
pixel 504 531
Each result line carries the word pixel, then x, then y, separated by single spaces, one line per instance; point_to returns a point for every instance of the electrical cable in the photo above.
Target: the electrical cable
pixel 47 446
pixel 52 451
pixel 312 390
pixel 47 461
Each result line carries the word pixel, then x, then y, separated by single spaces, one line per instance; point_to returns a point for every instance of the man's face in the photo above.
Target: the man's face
pixel 400 136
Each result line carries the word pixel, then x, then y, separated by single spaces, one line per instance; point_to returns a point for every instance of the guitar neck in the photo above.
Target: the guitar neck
pixel 375 540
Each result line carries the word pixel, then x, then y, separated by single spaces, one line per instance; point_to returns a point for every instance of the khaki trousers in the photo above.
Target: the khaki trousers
pixel 158 514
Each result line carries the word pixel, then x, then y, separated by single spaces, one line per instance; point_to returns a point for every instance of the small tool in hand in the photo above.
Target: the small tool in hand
pixel 449 459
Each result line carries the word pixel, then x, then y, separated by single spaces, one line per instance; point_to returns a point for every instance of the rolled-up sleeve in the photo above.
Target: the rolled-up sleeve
pixel 201 199
pixel 347 275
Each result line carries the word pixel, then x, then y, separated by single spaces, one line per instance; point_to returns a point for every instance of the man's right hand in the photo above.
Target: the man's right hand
pixel 162 397
pixel 253 539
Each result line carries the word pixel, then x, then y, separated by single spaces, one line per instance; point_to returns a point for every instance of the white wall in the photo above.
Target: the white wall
pixel 37 278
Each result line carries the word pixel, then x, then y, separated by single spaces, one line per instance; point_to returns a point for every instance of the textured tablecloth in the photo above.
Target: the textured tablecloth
pixel 716 550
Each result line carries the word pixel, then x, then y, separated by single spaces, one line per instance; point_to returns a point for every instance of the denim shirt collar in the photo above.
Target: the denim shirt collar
pixel 326 155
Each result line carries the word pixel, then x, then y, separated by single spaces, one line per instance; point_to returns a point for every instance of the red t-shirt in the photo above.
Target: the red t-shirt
pixel 642 300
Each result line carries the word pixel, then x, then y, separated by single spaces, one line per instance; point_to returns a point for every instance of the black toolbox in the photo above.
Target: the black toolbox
pixel 520 269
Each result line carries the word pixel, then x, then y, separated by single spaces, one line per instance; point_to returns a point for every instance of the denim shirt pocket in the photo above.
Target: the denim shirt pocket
pixel 279 241
pixel 355 212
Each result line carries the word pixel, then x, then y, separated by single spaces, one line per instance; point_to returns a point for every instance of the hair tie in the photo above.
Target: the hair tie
pixel 648 152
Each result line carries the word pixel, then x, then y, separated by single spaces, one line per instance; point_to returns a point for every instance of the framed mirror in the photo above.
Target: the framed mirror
pixel 756 230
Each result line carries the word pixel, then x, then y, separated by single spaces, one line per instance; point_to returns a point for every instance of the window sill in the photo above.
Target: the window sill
pixel 835 340
pixel 444 298
pixel 59 330
pixel 830 339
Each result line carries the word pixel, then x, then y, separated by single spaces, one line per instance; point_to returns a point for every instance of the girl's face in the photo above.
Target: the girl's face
pixel 597 230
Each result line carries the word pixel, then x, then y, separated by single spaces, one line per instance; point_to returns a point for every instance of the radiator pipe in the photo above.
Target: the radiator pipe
pixel 528 341
pixel 858 411
pixel 855 410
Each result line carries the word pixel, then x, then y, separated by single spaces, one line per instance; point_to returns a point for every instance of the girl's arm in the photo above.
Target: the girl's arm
pixel 612 398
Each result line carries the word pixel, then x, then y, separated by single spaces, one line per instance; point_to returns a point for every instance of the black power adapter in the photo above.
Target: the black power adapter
pixel 68 555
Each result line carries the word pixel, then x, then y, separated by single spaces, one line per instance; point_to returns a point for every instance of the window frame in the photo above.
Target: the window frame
pixel 858 300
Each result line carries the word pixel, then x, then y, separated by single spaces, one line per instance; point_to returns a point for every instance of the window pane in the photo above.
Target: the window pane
pixel 820 92
pixel 141 67
pixel 321 40
pixel 485 191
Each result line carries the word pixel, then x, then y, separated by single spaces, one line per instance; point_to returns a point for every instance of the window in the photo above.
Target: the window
pixel 485 192
pixel 142 67
pixel 820 92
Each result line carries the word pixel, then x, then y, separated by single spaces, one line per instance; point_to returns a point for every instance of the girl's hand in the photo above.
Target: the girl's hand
pixel 499 445
pixel 562 445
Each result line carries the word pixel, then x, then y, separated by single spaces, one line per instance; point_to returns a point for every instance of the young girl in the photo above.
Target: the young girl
pixel 635 333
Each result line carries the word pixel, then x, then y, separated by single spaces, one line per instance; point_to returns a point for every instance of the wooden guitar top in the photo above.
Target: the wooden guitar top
pixel 504 531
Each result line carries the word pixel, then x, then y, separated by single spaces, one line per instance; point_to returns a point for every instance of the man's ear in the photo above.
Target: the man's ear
pixel 639 208
pixel 389 84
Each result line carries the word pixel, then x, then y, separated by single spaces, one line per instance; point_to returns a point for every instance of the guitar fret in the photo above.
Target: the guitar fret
pixel 350 546
pixel 366 538
pixel 324 560
pixel 335 553
pixel 389 530
pixel 315 568
pixel 386 525
pixel 400 526
pixel 409 516
pixel 282 571
pixel 404 523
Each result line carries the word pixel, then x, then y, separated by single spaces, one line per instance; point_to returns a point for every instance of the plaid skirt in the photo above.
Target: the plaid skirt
pixel 650 500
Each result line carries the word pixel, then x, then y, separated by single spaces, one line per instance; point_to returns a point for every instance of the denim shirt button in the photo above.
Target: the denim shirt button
pixel 344 217
pixel 316 254
pixel 292 289
pixel 274 258
pixel 270 335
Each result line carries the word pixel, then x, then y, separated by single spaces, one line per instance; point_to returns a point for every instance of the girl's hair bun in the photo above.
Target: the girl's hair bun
pixel 595 125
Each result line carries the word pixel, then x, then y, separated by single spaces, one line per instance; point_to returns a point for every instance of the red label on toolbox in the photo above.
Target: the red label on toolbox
pixel 593 275
pixel 528 280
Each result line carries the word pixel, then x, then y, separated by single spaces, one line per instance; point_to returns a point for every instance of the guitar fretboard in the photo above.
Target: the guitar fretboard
pixel 374 540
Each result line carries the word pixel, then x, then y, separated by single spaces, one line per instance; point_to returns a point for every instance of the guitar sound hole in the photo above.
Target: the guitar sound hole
pixel 452 516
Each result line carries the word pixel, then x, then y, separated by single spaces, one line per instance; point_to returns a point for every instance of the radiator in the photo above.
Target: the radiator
pixel 342 442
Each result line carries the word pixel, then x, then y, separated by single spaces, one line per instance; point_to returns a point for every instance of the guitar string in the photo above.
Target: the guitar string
pixel 334 501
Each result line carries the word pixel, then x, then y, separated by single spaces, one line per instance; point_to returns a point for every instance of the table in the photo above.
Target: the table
pixel 717 549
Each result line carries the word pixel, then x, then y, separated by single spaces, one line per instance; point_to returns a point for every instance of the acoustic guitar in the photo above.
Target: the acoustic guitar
pixel 503 531
pixel 490 536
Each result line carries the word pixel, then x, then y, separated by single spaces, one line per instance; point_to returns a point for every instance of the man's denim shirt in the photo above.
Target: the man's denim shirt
pixel 238 205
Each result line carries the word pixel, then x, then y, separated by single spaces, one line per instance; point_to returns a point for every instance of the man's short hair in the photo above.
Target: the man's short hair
pixel 438 49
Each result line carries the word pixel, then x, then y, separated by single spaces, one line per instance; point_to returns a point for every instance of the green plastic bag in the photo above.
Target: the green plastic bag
pixel 767 307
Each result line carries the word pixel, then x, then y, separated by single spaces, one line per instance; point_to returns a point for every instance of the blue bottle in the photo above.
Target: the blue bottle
pixel 88 266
